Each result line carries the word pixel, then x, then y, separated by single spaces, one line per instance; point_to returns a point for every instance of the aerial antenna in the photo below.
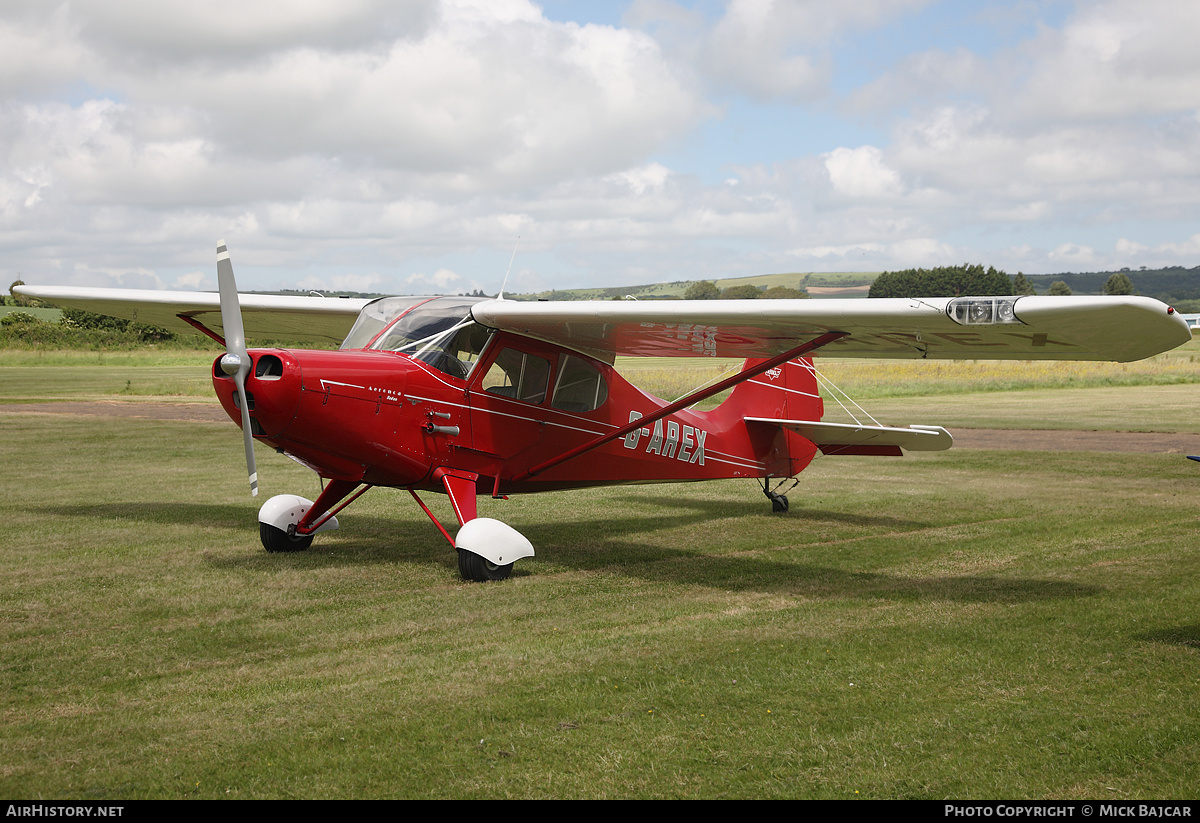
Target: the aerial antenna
pixel 500 296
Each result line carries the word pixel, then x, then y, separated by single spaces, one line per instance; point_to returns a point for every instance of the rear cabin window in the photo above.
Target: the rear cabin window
pixel 518 375
pixel 580 386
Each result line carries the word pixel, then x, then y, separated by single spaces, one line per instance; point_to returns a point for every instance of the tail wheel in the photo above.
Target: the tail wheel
pixel 779 502
pixel 277 540
pixel 473 567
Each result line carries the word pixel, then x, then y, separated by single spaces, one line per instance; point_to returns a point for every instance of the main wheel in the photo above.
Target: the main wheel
pixel 473 567
pixel 277 540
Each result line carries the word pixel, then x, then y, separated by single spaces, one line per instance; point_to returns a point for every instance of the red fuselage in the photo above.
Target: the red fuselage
pixel 391 419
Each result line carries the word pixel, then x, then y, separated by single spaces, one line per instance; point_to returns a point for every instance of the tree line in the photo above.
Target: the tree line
pixel 708 290
pixel 975 281
pixel 943 281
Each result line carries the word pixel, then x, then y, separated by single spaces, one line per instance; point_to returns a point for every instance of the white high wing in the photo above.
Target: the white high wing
pixel 1118 328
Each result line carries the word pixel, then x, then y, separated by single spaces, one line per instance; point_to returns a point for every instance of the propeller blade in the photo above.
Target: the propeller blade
pixel 236 361
pixel 247 436
pixel 231 310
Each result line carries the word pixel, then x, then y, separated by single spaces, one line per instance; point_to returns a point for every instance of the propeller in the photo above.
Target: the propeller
pixel 236 361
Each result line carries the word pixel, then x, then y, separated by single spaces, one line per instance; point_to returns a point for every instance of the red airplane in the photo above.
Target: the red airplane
pixel 469 396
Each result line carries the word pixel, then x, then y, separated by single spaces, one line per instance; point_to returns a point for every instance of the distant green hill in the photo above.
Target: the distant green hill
pixel 1173 284
pixel 818 284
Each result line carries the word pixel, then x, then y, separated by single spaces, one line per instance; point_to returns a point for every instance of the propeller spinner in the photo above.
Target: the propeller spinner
pixel 236 361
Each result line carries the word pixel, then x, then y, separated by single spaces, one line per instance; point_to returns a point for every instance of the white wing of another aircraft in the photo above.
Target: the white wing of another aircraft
pixel 968 328
pixel 304 319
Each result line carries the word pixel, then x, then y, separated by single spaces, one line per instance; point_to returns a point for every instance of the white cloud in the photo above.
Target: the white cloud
pixel 195 281
pixel 1116 59
pixel 152 33
pixel 1188 249
pixel 114 277
pixel 928 75
pixel 923 251
pixel 486 96
pixel 861 173
pixel 369 140
pixel 651 177
pixel 1125 246
pixel 442 280
pixel 753 48
pixel 1092 122
pixel 767 49
pixel 357 282
pixel 902 254
pixel 1070 254
pixel 845 253
pixel 474 97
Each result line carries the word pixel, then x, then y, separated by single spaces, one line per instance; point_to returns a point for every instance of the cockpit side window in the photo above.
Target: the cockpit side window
pixel 518 375
pixel 456 353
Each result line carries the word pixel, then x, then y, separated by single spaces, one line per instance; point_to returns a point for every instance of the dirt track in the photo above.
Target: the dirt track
pixel 1035 440
pixel 190 412
pixel 1076 441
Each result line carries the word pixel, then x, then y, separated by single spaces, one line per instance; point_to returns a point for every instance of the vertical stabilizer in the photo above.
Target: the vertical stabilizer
pixel 787 392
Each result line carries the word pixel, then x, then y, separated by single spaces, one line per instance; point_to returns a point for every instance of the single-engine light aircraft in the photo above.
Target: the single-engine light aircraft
pixel 469 396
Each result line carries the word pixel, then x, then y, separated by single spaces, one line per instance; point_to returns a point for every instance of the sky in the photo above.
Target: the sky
pixel 442 146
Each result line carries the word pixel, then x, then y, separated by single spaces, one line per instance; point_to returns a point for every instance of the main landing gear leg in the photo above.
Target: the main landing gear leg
pixel 486 548
pixel 460 488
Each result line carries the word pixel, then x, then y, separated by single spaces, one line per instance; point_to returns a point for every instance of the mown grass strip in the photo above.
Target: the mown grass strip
pixel 999 624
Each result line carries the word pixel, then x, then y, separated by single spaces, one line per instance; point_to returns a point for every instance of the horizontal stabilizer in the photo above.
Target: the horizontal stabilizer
pixel 848 438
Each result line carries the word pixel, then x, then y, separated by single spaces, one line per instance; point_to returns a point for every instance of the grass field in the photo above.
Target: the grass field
pixel 48 315
pixel 1000 624
pixel 183 375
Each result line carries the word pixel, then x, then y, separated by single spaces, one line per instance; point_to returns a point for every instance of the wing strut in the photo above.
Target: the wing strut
pixel 684 402
pixel 203 329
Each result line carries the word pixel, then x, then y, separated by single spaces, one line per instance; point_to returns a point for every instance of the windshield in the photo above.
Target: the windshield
pixel 436 330
pixel 374 318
